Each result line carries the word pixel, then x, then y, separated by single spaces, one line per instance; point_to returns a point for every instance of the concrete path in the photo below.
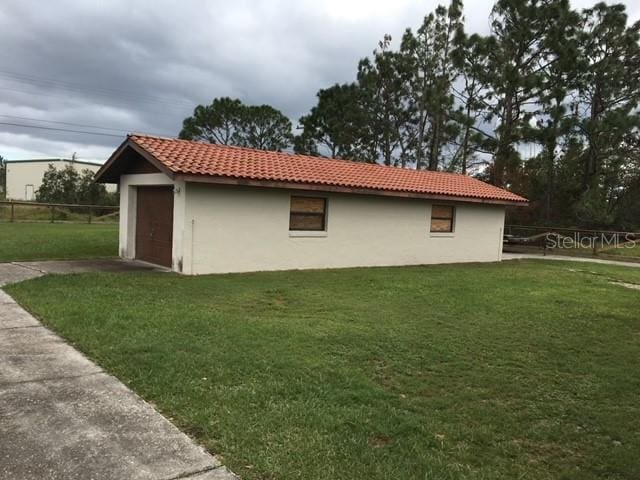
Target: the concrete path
pixel 63 417
pixel 566 258
pixel 18 271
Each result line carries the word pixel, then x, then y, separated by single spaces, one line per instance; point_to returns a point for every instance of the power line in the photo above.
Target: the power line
pixel 121 101
pixel 50 81
pixel 31 119
pixel 40 127
pixel 61 129
pixel 117 95
pixel 80 88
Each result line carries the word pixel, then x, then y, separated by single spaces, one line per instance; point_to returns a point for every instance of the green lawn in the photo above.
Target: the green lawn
pixel 520 370
pixel 47 241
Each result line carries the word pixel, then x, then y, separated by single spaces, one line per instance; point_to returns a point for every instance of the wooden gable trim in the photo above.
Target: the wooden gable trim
pixel 152 160
pixel 107 165
pixel 103 174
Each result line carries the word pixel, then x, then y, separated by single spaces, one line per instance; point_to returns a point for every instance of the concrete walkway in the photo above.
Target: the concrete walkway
pixel 566 258
pixel 63 417
pixel 17 271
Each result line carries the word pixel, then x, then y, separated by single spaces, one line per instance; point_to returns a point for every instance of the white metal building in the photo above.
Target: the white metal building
pixel 24 177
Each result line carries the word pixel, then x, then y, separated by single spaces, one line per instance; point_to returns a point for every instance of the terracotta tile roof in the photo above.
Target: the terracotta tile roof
pixel 196 158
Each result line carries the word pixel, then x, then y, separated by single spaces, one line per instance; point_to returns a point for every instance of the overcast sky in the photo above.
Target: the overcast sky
pixel 142 65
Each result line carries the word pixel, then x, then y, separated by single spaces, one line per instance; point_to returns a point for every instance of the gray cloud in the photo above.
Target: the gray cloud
pixel 143 65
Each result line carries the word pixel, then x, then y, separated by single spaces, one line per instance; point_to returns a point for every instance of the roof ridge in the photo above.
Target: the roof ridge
pixel 150 135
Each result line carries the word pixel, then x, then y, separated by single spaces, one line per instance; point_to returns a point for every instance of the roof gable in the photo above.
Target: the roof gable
pixel 197 161
pixel 128 159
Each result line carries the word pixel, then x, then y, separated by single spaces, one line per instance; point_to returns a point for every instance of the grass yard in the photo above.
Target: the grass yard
pixel 520 370
pixel 47 241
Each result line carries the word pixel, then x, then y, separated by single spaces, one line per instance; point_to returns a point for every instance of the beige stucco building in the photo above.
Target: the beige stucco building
pixel 200 208
pixel 24 177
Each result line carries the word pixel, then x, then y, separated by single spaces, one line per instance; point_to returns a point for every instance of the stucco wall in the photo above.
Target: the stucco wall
pixel 238 229
pixel 20 174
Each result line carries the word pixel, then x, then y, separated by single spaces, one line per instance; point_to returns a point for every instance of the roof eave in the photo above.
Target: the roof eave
pixel 222 180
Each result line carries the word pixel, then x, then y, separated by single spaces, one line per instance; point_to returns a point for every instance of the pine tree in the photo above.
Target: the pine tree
pixel 516 55
pixel 215 123
pixel 381 82
pixel 228 121
pixel 429 56
pixel 471 61
pixel 555 111
pixel 334 127
pixel 263 127
pixel 609 87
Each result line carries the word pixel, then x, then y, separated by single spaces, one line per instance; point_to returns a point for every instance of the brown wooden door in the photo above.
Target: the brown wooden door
pixel 154 225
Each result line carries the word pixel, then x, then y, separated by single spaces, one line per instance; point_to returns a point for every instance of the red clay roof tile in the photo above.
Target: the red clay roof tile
pixel 197 158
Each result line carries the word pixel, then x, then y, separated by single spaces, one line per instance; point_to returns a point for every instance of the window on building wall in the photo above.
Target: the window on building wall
pixel 442 218
pixel 308 214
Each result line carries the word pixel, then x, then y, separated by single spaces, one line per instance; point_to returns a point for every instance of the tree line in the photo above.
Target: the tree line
pixel 545 105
